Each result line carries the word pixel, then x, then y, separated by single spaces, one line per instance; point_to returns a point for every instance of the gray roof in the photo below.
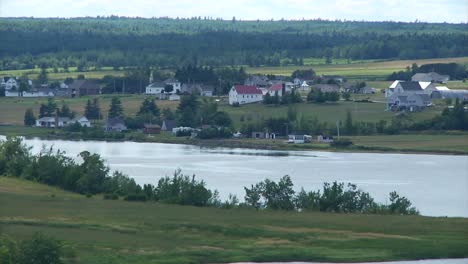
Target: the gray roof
pixel 411 86
pixel 157 85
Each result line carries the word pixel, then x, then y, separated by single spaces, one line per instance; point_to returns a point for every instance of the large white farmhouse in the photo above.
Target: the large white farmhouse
pixel 245 94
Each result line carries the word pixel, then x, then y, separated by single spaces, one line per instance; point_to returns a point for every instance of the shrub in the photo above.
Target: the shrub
pixel 341 143
pixel 111 196
pixel 136 198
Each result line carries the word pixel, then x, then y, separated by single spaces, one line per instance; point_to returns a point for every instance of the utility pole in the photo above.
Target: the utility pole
pixel 338 128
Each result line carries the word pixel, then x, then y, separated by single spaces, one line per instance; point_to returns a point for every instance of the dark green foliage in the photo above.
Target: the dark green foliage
pixel 29 118
pixel 187 111
pixel 48 109
pixel 2 92
pixel 168 114
pixel 214 132
pixel 181 189
pixel 341 143
pixel 65 111
pixel 454 70
pixel 149 111
pixel 92 109
pixel 115 108
pixel 97 42
pixel 14 156
pixel 308 74
pixel 42 78
pixel 40 249
pixel 316 96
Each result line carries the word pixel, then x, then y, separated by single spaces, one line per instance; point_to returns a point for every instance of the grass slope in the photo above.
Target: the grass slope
pixel 102 231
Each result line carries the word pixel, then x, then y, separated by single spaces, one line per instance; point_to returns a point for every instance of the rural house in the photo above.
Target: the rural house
pixel 430 77
pixel 279 88
pixel 115 125
pixel 155 88
pixel 82 120
pixel 244 94
pixel 51 121
pixel 327 88
pixel 82 88
pixel 152 129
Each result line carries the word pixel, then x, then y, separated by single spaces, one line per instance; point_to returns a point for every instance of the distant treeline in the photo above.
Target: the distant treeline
pixel 97 42
pixel 92 176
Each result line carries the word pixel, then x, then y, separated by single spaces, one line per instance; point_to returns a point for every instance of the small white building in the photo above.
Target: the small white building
pixel 50 121
pixel 299 139
pixel 82 120
pixel 244 94
pixel 155 88
pixel 9 83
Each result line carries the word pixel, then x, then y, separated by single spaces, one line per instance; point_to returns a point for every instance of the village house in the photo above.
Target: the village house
pixel 9 83
pixel 151 129
pixel 115 125
pixel 327 88
pixel 51 121
pixel 279 88
pixel 430 77
pixel 155 88
pixel 200 89
pixel 168 125
pixel 409 96
pixel 264 135
pixel 82 120
pixel 81 88
pixel 176 85
pixel 244 94
pixel 257 80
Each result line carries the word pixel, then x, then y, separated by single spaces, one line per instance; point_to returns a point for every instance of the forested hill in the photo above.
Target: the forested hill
pixel 117 41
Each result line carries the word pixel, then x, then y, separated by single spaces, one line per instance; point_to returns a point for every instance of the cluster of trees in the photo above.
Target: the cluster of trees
pixel 92 176
pixel 287 98
pixel 96 42
pixel 317 96
pixel 454 70
pixel 39 249
pixel 335 197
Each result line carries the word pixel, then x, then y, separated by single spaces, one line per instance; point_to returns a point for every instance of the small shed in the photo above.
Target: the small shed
pixel 152 129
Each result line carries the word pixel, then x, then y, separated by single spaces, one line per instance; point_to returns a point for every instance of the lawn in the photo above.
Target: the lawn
pixel 367 70
pixel 12 109
pixel 102 231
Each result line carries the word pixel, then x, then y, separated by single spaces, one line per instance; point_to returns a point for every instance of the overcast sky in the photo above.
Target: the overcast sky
pixel 454 11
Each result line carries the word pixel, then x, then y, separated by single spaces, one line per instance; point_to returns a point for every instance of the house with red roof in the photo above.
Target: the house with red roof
pixel 245 94
pixel 279 88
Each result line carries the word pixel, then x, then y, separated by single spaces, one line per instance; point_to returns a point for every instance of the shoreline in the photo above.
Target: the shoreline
pixel 257 144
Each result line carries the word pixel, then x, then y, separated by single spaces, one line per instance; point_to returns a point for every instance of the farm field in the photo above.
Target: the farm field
pixel 361 70
pixel 103 231
pixel 12 109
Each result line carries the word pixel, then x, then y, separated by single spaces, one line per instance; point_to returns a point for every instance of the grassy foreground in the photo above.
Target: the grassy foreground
pixel 102 231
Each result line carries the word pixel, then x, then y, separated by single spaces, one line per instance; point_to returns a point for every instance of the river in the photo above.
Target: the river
pixel 436 184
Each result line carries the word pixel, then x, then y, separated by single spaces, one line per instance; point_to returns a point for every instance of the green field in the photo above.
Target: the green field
pixel 367 70
pixel 370 70
pixel 102 231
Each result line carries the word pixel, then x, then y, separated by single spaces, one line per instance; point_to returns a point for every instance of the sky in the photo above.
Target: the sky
pixel 452 11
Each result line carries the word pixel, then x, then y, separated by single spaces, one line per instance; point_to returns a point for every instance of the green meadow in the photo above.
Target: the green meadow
pixel 95 230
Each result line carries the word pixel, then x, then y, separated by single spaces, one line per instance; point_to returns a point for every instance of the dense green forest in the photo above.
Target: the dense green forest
pixel 118 41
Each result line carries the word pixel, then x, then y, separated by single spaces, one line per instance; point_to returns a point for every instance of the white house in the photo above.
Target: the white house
pixel 176 85
pixel 299 139
pixel 9 83
pixel 50 121
pixel 244 94
pixel 155 88
pixel 82 120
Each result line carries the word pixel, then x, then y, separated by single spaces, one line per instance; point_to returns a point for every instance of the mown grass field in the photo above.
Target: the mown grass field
pixel 102 231
pixel 370 70
pixel 12 109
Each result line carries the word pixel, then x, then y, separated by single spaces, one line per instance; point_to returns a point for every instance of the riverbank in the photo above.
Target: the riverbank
pixel 95 230
pixel 448 143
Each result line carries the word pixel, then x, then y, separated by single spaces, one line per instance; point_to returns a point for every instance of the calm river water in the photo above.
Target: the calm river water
pixel 436 184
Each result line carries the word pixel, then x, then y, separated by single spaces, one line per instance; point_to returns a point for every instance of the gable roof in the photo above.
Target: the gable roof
pixel 247 89
pixel 276 87
pixel 394 84
pixel 157 85
pixel 411 86
pixel 169 124
pixel 84 84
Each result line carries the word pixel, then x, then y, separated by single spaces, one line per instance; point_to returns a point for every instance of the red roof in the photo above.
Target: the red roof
pixel 247 89
pixel 277 87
